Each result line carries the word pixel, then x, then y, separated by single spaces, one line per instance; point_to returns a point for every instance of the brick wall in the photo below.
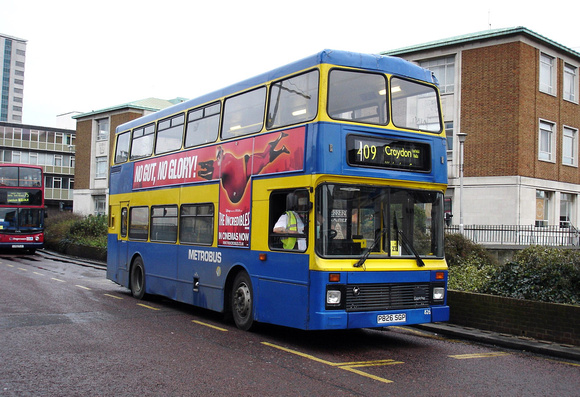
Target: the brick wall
pixel 501 106
pixel 83 154
pixel 544 321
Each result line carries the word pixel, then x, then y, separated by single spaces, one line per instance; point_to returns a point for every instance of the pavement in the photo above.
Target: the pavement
pixel 553 349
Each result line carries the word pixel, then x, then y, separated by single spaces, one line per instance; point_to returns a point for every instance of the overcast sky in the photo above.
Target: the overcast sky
pixel 84 56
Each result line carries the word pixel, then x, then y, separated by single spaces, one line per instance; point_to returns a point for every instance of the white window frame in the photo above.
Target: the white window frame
pixel 570 140
pixel 100 205
pixel 101 167
pixel 444 70
pixel 570 83
pixel 547 153
pixel 547 78
pixel 543 202
pixel 103 127
pixel 57 182
pixel 567 203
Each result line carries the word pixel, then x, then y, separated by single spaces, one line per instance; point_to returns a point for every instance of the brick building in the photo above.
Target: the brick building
pixel 515 94
pixel 94 149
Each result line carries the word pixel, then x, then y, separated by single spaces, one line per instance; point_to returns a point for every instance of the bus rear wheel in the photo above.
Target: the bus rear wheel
pixel 137 282
pixel 242 301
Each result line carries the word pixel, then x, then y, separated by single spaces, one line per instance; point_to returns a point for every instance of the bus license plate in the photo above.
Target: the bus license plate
pixel 391 318
pixel 17 245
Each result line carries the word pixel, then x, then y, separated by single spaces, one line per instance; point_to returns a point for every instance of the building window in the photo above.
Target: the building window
pixel 100 205
pixel 101 169
pixel 57 183
pixel 547 74
pixel 444 70
pixel 71 184
pixel 546 141
pixel 449 138
pixel 570 146
pixel 102 129
pixel 566 205
pixel 542 206
pixel 570 82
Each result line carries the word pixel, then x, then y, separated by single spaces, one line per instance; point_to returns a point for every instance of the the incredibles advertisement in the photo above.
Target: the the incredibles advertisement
pixel 233 164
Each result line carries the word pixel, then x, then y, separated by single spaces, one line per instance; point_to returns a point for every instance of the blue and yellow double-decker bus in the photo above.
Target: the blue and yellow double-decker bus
pixel 310 196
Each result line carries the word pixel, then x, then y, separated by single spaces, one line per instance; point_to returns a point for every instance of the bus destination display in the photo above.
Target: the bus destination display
pixel 388 153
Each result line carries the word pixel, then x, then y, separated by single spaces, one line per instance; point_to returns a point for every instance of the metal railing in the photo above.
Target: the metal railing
pixel 554 235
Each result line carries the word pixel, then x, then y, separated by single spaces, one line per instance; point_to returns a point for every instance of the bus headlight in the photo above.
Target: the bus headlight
pixel 333 297
pixel 438 293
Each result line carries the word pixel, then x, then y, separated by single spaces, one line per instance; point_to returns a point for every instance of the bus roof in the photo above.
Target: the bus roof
pixel 374 62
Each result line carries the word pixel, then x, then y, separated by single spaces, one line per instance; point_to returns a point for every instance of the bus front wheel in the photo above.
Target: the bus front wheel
pixel 242 301
pixel 137 283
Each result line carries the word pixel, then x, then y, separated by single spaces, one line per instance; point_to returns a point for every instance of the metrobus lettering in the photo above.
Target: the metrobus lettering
pixel 204 256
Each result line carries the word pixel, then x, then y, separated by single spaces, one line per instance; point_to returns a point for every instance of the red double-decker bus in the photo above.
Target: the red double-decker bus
pixel 21 207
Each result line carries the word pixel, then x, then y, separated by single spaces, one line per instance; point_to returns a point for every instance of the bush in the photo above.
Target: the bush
pixel 57 227
pixel 461 251
pixel 540 273
pixel 90 231
pixel 68 228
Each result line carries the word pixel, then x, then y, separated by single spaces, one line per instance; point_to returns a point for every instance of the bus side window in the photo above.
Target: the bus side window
pixel 196 224
pixel 139 223
pixel 202 125
pixel 124 222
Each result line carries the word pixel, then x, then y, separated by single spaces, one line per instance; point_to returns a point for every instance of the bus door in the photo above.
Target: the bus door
pixel 122 245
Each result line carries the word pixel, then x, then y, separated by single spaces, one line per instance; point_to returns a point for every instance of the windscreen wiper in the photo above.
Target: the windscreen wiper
pixel 365 256
pixel 407 243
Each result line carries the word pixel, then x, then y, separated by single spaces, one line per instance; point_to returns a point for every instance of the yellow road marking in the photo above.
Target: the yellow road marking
pixel 57 279
pixel 113 296
pixel 209 325
pixel 39 274
pixel 350 366
pixel 479 355
pixel 23 269
pixel 563 362
pixel 80 286
pixel 147 307
pixel 9 265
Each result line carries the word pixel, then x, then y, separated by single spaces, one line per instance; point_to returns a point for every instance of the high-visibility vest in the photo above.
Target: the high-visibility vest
pixel 289 242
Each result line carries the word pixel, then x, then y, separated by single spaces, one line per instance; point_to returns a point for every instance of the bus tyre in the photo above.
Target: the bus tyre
pixel 242 301
pixel 137 282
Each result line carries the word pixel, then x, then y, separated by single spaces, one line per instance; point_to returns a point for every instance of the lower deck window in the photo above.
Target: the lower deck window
pixel 196 225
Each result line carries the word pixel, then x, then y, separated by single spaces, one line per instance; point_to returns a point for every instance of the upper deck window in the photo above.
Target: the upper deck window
pixel 202 125
pixel 356 96
pixel 20 176
pixel 169 134
pixel 122 149
pixel 142 142
pixel 244 114
pixel 414 106
pixel 293 101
